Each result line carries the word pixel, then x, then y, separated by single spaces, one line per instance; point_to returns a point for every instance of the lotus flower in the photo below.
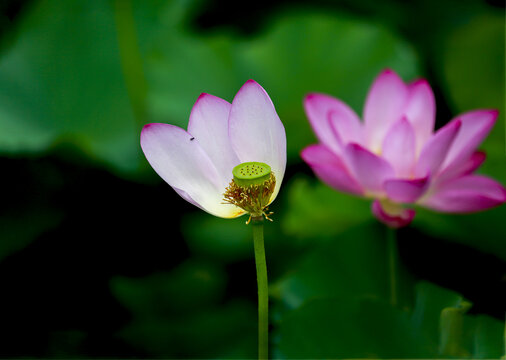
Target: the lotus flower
pixel 198 163
pixel 395 157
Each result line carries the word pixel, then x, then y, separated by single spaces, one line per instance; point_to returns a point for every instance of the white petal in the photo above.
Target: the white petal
pixel 209 125
pixel 185 166
pixel 256 132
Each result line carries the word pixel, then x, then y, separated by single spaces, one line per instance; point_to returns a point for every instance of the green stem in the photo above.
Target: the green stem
pixel 393 261
pixel 131 60
pixel 263 291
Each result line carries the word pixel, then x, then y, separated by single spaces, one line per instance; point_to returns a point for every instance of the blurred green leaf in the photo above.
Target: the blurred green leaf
pixel 62 78
pixel 181 314
pixel 485 337
pixel 192 284
pixel 316 210
pixel 352 265
pixel 312 52
pixel 479 44
pixel 476 44
pixel 345 327
pixel 430 301
pixel 464 228
pixel 223 239
pixel 17 230
pixel 228 331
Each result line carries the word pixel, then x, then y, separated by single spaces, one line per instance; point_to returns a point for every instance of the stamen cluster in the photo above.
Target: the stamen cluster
pixel 253 198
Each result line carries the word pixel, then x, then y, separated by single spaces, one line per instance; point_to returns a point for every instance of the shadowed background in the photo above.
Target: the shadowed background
pixel 100 258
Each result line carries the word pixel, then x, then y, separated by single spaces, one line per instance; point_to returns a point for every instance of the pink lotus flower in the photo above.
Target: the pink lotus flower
pixel 395 157
pixel 198 163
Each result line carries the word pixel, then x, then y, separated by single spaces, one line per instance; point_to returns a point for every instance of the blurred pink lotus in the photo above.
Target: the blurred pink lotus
pixel 395 157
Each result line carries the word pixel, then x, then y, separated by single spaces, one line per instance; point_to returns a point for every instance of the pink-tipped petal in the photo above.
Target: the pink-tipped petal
pixel 330 169
pixel 209 125
pixel 185 166
pixel 475 127
pixel 470 193
pixel 399 147
pixel 393 220
pixel 421 111
pixel 384 105
pixel 462 168
pixel 369 169
pixel 318 108
pixel 436 148
pixel 347 129
pixel 406 190
pixel 255 130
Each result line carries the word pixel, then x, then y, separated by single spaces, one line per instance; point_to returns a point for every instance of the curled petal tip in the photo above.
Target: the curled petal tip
pixel 152 126
pixel 494 112
pixel 309 97
pixel 457 123
pixel 406 191
pixel 202 95
pixel 420 82
pixel 354 146
pixel 399 218
pixel 312 95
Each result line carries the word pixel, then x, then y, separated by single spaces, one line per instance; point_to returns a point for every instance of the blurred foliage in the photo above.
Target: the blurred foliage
pixel 370 328
pixel 52 86
pixel 473 74
pixel 312 210
pixel 335 305
pixel 15 234
pixel 182 314
pixel 216 238
pixel 352 265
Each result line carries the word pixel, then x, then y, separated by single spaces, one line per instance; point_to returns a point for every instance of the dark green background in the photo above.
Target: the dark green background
pixel 100 258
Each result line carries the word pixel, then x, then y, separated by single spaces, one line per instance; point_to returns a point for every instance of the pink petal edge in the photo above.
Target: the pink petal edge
pixel 394 221
pixel 369 169
pixel 475 127
pixel 467 194
pixel 330 169
pixel 463 168
pixel 434 152
pixel 318 108
pixel 406 190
